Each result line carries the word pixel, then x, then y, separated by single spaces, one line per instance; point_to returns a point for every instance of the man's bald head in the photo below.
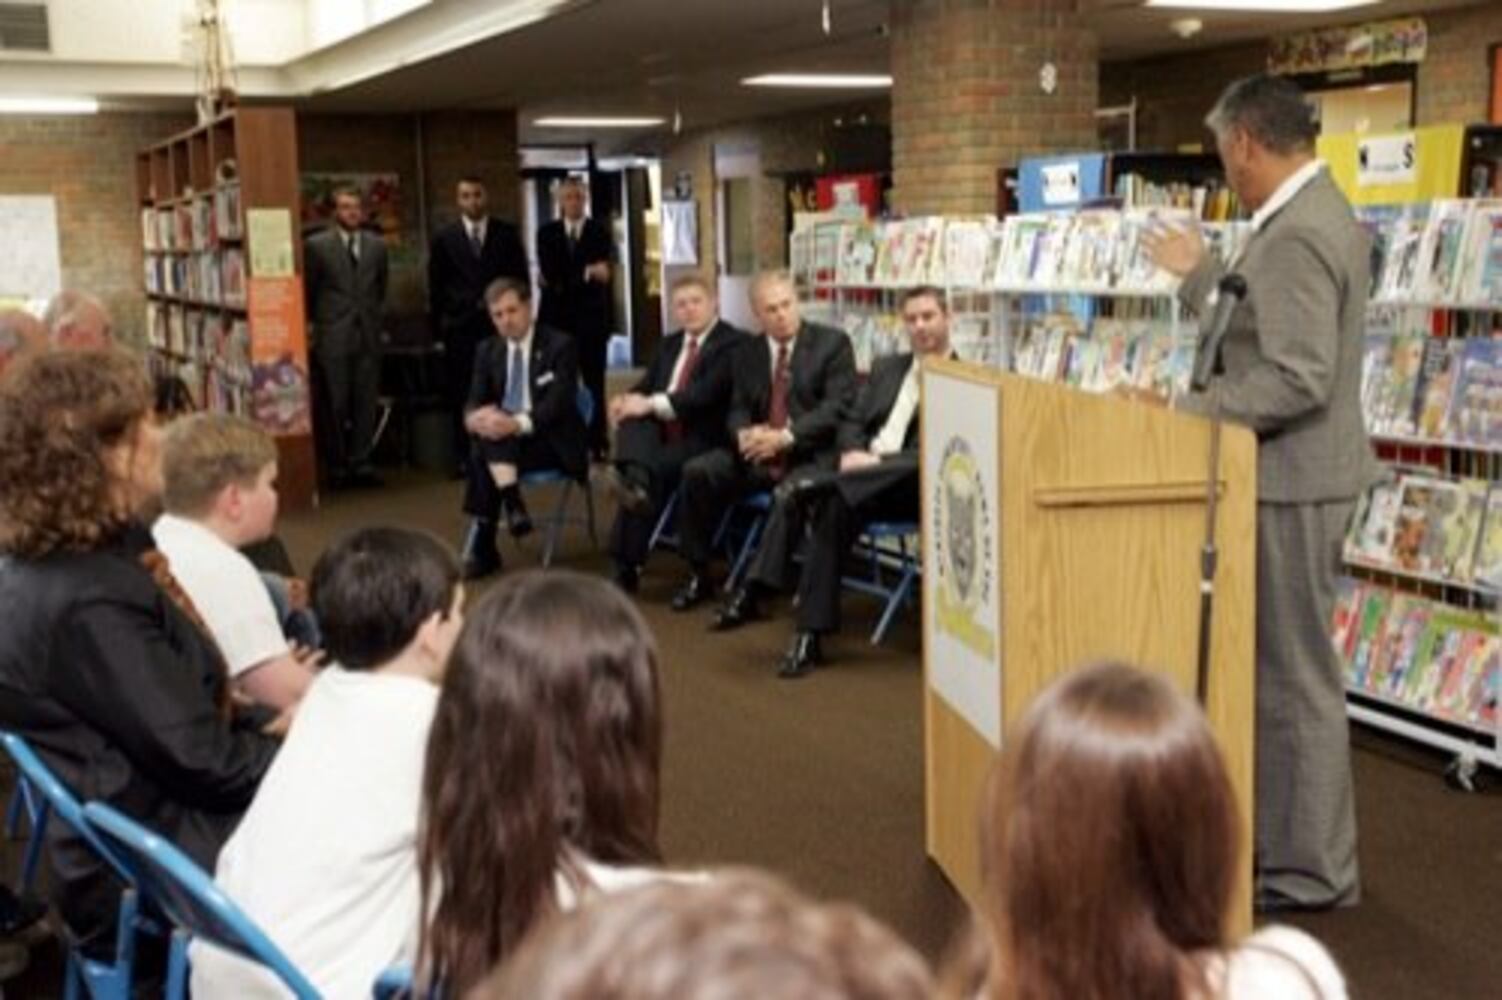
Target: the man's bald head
pixel 20 333
pixel 77 322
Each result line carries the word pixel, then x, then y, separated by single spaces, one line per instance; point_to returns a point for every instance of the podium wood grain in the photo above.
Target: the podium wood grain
pixel 1102 521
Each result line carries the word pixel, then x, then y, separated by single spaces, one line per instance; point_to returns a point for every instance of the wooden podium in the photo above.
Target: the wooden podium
pixel 1062 528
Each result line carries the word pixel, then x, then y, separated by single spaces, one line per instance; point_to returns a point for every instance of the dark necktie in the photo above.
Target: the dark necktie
pixel 777 410
pixel 354 258
pixel 516 380
pixel 685 372
pixel 476 241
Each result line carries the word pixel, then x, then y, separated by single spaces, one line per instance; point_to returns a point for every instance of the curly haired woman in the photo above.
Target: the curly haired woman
pixel 103 666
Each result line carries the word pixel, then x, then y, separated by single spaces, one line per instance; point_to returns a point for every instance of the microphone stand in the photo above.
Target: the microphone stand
pixel 1207 364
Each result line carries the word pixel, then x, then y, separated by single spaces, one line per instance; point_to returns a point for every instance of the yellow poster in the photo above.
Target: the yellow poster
pixel 269 234
pixel 1396 169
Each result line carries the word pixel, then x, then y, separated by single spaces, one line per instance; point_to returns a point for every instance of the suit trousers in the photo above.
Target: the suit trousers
pixel 1306 814
pixel 529 453
pixel 836 522
pixel 592 350
pixel 352 380
pixel 711 483
pixel 641 443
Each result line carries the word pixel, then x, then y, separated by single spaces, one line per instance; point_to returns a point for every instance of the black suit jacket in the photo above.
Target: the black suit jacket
pixel 569 302
pixel 868 414
pixel 553 377
pixel 457 278
pixel 703 406
pixel 822 371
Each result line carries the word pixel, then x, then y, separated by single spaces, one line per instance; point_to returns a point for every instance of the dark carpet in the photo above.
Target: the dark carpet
pixel 821 780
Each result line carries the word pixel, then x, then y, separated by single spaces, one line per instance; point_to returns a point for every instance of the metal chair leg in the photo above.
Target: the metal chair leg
pixel 177 967
pixel 555 524
pixel 743 558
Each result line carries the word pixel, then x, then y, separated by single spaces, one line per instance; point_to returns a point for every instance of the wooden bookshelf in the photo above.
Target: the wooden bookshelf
pixel 194 191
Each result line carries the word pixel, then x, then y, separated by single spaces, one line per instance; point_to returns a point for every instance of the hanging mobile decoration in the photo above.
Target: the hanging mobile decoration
pixel 677 120
pixel 827 19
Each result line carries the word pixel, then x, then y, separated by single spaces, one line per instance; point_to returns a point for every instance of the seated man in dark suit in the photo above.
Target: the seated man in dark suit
pixel 877 480
pixel 675 413
pixel 789 389
pixel 522 415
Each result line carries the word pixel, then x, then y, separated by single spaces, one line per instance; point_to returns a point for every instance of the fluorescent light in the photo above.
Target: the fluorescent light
pixel 842 81
pixel 49 106
pixel 1269 6
pixel 599 121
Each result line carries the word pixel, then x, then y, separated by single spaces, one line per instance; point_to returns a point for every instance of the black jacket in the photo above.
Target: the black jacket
pixel 570 303
pixel 873 403
pixel 457 278
pixel 553 377
pixel 116 690
pixel 822 371
pixel 703 406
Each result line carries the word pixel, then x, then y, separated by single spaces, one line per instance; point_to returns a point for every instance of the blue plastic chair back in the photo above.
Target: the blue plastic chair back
pixel 60 801
pixel 393 983
pixel 189 897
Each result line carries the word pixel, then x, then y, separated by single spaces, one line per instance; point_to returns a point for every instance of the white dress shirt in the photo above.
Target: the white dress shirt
pixel 662 406
pixel 351 243
pixel 894 431
pixel 475 230
pixel 1286 192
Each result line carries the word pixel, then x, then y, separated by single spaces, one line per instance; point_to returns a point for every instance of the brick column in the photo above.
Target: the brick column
pixel 966 96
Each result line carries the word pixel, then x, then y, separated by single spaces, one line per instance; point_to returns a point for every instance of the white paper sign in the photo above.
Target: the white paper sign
pixel 1061 184
pixel 1386 159
pixel 962 549
pixel 680 233
pixel 30 266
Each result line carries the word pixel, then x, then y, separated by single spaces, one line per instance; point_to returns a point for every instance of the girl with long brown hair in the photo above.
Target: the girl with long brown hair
pixel 1111 846
pixel 541 780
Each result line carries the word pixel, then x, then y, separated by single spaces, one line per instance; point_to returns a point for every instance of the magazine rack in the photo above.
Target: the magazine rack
pixel 1062 528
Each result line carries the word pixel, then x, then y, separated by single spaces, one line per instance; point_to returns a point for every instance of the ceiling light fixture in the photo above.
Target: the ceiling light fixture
pixel 840 81
pixel 597 121
pixel 1265 6
pixel 49 106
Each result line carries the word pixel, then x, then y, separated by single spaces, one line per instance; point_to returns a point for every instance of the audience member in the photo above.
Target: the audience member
pixel 674 413
pixel 790 388
pixel 104 664
pixel 325 860
pixel 76 321
pixel 541 784
pixel 741 934
pixel 220 474
pixel 21 333
pixel 1111 847
pixel 524 415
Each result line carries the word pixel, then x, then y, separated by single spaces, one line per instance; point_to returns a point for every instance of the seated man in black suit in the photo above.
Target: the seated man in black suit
pixel 522 415
pixel 877 480
pixel 789 389
pixel 675 413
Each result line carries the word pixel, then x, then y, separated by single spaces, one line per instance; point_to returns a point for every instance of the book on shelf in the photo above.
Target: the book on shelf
pixel 232 277
pixel 1488 565
pixel 967 252
pixel 227 215
pixel 1446 252
pixel 859 246
pixel 1429 526
pixel 1435 389
pixel 1209 200
pixel 1475 415
pixel 1390 383
pixel 1107 355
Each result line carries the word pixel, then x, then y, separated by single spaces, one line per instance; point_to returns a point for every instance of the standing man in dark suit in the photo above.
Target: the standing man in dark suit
pixel 346 274
pixel 465 257
pixel 574 255
pixel 1293 356
pixel 789 389
pixel 675 413
pixel 877 480
pixel 523 413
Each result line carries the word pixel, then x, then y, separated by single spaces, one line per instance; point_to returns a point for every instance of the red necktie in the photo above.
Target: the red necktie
pixel 777 411
pixel 685 371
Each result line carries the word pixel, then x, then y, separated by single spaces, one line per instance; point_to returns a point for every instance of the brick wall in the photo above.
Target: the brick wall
pixel 1455 78
pixel 966 98
pixel 88 164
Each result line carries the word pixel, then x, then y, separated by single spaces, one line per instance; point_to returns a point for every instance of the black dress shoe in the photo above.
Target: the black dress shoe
pixel 518 521
pixel 628 578
pixel 740 609
pixel 801 657
pixel 695 591
pixel 629 495
pixel 480 557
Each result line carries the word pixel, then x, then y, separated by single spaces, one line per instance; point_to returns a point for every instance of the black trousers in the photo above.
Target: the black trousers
pixel 711 483
pixel 482 498
pixel 592 350
pixel 352 381
pixel 836 521
pixel 642 443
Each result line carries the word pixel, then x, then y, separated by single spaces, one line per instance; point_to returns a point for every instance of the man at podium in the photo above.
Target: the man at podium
pixel 1292 360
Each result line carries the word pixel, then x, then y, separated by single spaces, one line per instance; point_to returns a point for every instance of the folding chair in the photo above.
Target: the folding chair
pixel 759 505
pixel 394 983
pixel 665 532
pixel 197 908
pixel 886 559
pixel 555 522
pixel 26 804
pixel 101 980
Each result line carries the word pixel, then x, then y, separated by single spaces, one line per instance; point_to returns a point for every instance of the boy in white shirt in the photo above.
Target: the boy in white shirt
pixel 325 860
pixel 220 477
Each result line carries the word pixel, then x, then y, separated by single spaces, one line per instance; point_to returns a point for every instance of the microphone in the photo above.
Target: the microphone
pixel 1207 357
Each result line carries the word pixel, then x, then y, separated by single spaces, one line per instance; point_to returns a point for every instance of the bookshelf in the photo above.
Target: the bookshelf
pixel 237 338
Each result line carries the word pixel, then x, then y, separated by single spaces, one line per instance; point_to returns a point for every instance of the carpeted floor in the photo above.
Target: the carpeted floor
pixel 821 781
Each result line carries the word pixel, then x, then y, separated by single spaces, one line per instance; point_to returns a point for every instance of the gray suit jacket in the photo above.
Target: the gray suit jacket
pixel 345 306
pixel 1293 350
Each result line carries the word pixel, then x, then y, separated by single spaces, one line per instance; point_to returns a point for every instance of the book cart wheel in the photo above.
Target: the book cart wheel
pixel 1460 774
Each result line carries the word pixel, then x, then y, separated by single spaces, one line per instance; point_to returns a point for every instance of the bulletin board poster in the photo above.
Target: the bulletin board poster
pixel 1396 169
pixel 279 356
pixel 31 267
pixel 380 194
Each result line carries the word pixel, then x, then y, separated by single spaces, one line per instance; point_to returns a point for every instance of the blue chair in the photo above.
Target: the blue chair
pixel 26 804
pixel 758 506
pixel 102 980
pixel 665 532
pixel 556 521
pixel 884 543
pixel 394 983
pixel 196 907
